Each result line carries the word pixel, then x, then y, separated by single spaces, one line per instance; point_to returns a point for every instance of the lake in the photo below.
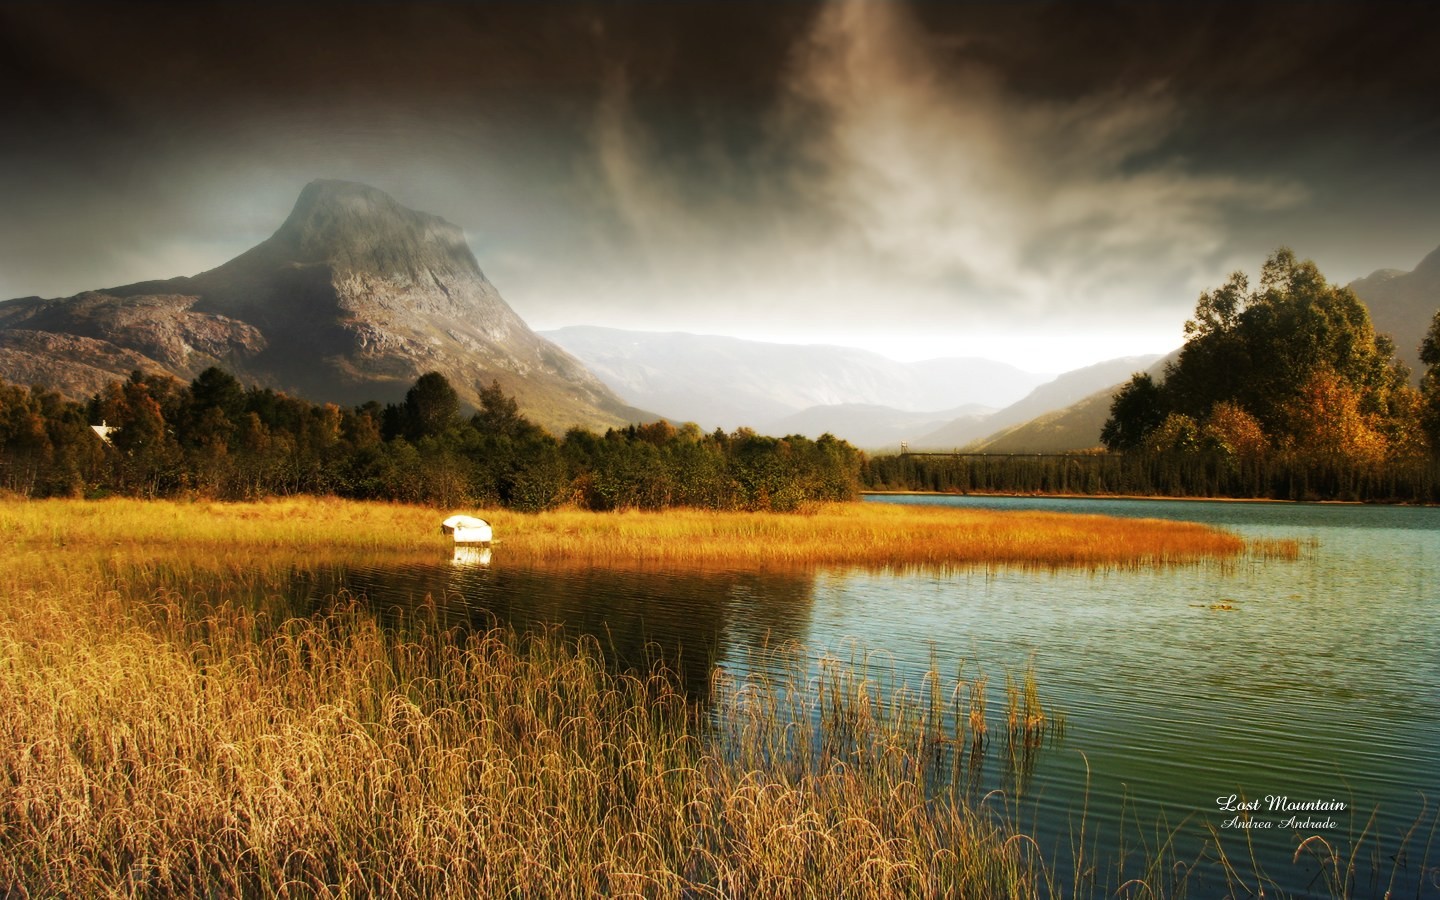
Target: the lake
pixel 1188 692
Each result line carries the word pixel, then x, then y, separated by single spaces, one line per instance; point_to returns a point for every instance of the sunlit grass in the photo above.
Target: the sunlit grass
pixel 868 534
pixel 157 741
pixel 162 746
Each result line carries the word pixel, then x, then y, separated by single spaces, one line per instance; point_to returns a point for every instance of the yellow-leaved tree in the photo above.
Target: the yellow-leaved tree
pixel 1327 424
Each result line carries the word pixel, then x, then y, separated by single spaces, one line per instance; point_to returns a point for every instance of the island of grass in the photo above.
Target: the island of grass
pixel 861 534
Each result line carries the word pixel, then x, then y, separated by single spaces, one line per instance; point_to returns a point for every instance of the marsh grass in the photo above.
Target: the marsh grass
pixel 172 746
pixel 872 534
pixel 156 740
pixel 875 535
pixel 1027 722
pixel 792 710
pixel 1284 549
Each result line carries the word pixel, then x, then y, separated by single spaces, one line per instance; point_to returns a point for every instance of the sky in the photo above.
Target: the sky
pixel 1046 184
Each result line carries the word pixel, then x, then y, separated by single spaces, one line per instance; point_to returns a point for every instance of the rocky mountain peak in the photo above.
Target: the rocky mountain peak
pixel 358 229
pixel 350 300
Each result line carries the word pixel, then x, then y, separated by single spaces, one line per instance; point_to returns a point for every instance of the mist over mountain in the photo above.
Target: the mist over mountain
pixel 730 382
pixel 1056 395
pixel 1076 426
pixel 1402 305
pixel 871 427
pixel 352 299
pixel 867 399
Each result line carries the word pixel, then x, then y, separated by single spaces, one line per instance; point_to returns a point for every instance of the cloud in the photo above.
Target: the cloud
pixel 1047 203
pixel 900 177
pixel 861 177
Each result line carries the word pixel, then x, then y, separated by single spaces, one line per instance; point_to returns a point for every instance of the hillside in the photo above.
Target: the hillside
pixel 1402 305
pixel 1045 401
pixel 352 299
pixel 868 426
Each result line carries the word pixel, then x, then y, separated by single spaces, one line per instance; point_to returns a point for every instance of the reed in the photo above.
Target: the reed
pixel 1026 719
pixel 159 742
pixel 875 535
pixel 977 694
pixel 164 745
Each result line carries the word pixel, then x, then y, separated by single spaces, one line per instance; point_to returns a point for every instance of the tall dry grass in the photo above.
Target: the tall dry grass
pixel 158 742
pixel 868 534
pixel 160 746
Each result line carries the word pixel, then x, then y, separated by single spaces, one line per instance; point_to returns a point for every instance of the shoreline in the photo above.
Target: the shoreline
pixel 852 533
pixel 1154 497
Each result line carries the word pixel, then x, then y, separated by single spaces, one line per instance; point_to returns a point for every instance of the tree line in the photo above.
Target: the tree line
pixel 1201 474
pixel 1281 391
pixel 216 438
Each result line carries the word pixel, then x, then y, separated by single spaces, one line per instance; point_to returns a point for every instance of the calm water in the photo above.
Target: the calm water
pixel 1316 679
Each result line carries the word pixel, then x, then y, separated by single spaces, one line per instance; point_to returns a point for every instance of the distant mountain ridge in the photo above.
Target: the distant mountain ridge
pixel 1402 304
pixel 1077 425
pixel 867 399
pixel 729 382
pixel 1003 431
pixel 352 299
pixel 872 427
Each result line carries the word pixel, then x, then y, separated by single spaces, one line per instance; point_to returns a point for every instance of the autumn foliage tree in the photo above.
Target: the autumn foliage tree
pixel 1293 364
pixel 1326 422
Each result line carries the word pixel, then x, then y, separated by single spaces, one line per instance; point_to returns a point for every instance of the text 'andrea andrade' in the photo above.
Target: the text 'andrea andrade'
pixel 1247 812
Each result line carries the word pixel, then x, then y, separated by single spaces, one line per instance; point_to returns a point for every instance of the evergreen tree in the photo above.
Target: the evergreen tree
pixel 1430 384
pixel 1137 409
pixel 431 407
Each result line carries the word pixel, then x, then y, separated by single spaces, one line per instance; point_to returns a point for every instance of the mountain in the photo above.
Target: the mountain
pixel 869 426
pixel 1076 427
pixel 1402 305
pixel 352 299
pixel 1054 396
pixel 728 382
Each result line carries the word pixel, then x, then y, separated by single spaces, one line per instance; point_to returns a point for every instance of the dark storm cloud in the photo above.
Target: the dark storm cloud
pixel 785 169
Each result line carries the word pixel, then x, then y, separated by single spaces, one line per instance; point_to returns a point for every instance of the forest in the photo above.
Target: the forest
pixel 1283 391
pixel 216 438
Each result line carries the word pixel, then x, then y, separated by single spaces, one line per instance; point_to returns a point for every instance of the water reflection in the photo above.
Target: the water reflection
pixel 1315 678
pixel 683 618
pixel 468 555
pixel 1304 679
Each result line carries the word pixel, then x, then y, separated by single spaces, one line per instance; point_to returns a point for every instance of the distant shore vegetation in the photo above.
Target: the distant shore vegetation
pixel 1282 391
pixel 215 438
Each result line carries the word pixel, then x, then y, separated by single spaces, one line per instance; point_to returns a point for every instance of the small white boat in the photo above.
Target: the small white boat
pixel 467 530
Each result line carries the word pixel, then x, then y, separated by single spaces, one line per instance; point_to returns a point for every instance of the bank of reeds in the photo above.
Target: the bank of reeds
pixel 162 747
pixel 868 534
pixel 158 742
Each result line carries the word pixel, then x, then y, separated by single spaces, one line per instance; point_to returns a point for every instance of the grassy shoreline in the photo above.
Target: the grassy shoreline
pixel 161 744
pixel 873 535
